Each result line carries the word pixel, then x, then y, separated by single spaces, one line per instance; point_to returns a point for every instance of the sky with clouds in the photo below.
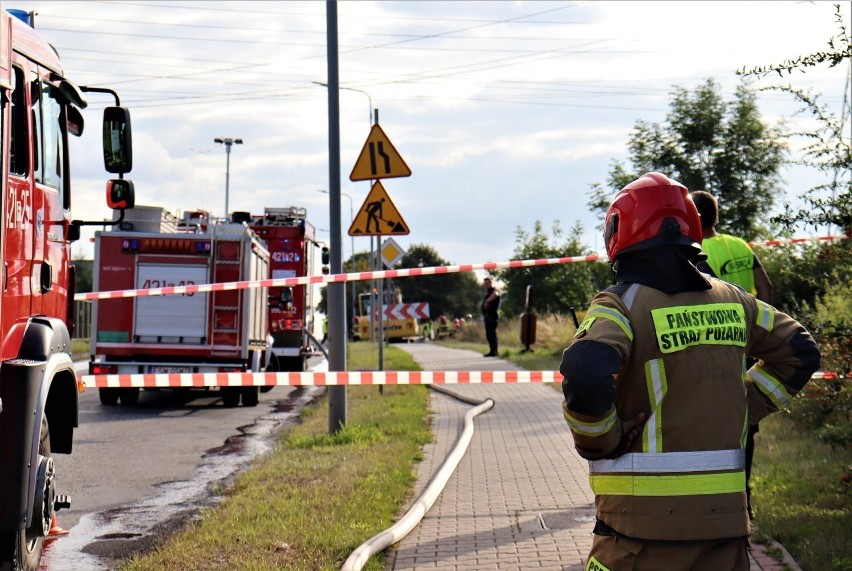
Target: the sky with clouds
pixel 505 112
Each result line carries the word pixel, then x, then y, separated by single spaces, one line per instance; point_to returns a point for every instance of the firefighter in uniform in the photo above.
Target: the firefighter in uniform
pixel 657 395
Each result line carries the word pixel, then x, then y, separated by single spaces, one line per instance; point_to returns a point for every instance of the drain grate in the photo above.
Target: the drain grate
pixel 567 519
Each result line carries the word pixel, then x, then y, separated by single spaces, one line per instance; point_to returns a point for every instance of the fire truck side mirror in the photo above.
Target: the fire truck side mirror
pixel 118 147
pixel 120 193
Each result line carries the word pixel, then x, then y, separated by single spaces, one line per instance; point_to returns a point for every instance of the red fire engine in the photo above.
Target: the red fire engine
pixel 291 242
pixel 201 332
pixel 39 109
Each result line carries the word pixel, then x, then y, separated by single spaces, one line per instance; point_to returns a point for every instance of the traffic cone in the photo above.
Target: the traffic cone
pixel 55 530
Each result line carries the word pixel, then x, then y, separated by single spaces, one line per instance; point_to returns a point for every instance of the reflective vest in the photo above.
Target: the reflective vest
pixel 731 259
pixel 683 365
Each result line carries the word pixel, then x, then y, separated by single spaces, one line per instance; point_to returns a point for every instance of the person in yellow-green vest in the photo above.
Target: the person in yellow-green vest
pixel 657 395
pixel 731 259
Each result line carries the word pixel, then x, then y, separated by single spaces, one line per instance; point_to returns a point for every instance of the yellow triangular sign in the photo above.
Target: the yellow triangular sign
pixel 378 159
pixel 378 216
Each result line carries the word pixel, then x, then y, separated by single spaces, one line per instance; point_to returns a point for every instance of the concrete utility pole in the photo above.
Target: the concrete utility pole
pixel 227 141
pixel 352 240
pixel 336 292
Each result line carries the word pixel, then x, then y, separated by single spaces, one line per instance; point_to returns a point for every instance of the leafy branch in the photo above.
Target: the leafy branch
pixel 839 50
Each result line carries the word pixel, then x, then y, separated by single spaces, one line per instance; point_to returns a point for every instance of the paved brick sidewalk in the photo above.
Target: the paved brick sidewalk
pixel 519 498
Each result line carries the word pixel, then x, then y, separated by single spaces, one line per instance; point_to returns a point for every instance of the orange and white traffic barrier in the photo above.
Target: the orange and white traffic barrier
pixel 331 378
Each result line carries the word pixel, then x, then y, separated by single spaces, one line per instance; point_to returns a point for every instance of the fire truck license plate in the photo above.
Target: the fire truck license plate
pixel 168 370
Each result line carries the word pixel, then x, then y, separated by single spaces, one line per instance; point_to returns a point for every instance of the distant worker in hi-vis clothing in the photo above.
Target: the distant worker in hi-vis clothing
pixel 731 259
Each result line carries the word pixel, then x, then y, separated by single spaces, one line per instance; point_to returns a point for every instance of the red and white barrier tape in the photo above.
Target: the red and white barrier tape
pixel 338 378
pixel 385 274
pixel 796 241
pixel 331 378
pixel 333 278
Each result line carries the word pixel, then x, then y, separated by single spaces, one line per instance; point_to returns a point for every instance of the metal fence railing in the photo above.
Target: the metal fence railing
pixel 82 319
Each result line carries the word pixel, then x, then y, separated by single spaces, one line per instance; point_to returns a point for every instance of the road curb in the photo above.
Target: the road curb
pixel 766 561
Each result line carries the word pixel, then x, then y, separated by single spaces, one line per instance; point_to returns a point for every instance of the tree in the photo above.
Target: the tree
pixel 358 262
pixel 827 149
pixel 451 294
pixel 709 144
pixel 558 287
pixel 82 274
pixel 454 295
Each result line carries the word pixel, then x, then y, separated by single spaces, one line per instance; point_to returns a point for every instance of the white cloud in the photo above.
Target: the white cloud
pixel 506 112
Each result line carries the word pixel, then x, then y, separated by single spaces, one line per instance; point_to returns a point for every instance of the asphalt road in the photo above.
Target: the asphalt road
pixel 136 472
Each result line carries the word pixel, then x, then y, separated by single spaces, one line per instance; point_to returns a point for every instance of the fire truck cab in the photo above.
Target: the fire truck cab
pixel 39 109
pixel 291 241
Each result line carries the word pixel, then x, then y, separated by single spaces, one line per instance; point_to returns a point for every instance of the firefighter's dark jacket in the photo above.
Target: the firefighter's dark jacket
pixel 671 342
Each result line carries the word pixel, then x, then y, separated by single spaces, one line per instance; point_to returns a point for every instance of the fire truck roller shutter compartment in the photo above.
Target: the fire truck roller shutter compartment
pixel 171 318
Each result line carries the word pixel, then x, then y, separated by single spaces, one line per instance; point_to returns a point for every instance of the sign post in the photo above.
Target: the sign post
pixel 378 216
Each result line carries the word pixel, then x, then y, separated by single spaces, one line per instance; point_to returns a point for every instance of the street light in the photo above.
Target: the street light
pixel 227 141
pixel 370 112
pixel 369 99
pixel 352 238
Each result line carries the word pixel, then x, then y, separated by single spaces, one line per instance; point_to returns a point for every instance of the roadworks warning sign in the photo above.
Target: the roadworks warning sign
pixel 378 216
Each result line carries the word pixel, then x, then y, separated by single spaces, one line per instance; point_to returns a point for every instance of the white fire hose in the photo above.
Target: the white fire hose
pixel 424 502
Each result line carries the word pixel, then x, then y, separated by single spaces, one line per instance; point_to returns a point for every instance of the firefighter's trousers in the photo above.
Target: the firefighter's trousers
pixel 618 553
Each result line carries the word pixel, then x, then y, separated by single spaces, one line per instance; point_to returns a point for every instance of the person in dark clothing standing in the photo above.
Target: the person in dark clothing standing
pixel 490 307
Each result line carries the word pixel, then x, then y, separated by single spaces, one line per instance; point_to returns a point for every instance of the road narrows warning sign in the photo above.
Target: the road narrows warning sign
pixel 378 159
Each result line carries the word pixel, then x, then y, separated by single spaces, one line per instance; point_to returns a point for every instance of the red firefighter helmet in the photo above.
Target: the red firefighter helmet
pixel 651 211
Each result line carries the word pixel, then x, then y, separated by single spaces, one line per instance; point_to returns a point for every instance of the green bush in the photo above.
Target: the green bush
pixel 803 273
pixel 825 405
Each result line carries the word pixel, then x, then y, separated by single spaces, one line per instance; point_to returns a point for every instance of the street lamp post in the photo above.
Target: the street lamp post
pixel 371 115
pixel 369 99
pixel 352 239
pixel 227 141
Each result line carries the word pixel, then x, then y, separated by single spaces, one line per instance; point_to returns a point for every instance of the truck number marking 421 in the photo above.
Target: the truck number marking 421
pixel 149 284
pixel 285 256
pixel 18 209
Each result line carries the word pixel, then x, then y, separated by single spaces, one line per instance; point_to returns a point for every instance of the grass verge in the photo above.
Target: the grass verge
pixel 801 494
pixel 317 496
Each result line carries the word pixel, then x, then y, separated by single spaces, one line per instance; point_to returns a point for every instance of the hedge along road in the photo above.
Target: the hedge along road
pixel 138 472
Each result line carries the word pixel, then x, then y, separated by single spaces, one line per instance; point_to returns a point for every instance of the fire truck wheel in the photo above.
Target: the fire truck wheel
pixel 251 396
pixel 230 396
pixel 130 397
pixel 17 551
pixel 109 397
